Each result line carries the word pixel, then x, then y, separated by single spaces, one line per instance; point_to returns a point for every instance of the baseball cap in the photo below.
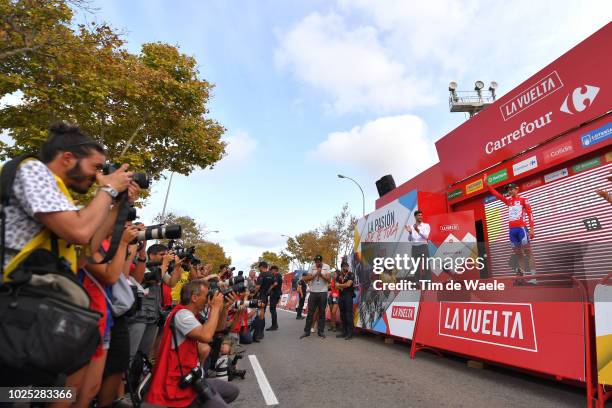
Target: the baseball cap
pixel 511 185
pixel 318 258
pixel 263 264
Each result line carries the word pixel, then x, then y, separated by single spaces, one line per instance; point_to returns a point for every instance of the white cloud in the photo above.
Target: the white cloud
pixel 261 239
pixel 389 56
pixel 394 145
pixel 240 149
pixel 350 65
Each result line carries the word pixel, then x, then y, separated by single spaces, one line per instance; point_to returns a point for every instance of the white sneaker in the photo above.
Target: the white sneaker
pixel 312 329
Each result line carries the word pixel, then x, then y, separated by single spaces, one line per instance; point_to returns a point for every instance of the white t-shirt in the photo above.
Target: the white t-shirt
pixel 421 237
pixel 35 191
pixel 184 322
pixel 318 285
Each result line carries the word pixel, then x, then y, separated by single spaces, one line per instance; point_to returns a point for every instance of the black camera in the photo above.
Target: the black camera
pixel 131 213
pixel 237 284
pixel 194 380
pixel 253 303
pixel 141 179
pixel 160 232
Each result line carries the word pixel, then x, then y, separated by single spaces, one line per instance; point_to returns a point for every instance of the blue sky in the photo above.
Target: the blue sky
pixel 311 89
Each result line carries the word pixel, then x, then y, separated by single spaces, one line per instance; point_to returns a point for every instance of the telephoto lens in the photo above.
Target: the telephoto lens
pixel 160 232
pixel 142 179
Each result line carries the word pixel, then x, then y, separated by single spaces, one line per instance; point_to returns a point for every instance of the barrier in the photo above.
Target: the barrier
pixel 602 312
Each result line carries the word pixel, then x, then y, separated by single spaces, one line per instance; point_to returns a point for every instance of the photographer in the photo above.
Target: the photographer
pixel 177 380
pixel 262 289
pixel 302 287
pixel 41 213
pixel 275 295
pixel 143 324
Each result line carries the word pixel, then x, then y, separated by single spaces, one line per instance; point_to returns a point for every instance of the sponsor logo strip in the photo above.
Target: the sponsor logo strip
pixel 508 325
pixel 498 177
pixel 474 186
pixel 403 312
pixel 455 194
pixel 526 165
pixel 558 152
pixel 556 175
pixel 532 95
pixel 585 165
pixel 596 136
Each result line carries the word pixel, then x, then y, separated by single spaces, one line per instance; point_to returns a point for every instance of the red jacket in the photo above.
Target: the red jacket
pixel 164 388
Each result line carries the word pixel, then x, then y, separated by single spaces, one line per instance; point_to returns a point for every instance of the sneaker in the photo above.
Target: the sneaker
pixel 312 330
pixel 305 335
pixel 350 336
pixel 321 335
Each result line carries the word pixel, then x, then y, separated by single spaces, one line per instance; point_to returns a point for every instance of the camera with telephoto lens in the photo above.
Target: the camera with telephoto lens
pixel 194 380
pixel 160 232
pixel 142 179
pixel 237 284
pixel 252 304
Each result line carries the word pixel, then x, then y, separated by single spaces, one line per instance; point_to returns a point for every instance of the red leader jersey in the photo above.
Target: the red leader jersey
pixel 518 209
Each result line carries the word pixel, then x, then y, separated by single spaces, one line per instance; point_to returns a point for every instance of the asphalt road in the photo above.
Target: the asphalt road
pixel 366 372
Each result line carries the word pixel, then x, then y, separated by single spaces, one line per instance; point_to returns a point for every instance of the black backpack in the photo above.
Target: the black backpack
pixel 46 327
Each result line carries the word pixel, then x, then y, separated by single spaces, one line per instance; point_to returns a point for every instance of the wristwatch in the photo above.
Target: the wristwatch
pixel 110 191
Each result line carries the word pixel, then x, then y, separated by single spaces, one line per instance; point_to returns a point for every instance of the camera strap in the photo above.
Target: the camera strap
pixel 117 233
pixel 178 355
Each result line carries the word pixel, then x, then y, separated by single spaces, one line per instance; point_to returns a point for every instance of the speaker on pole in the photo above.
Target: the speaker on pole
pixel 385 184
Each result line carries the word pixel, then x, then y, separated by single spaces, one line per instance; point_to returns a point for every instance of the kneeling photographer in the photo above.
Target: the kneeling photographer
pixel 178 380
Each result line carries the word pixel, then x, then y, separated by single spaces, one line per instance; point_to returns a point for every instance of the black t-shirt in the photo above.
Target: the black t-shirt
pixel 303 285
pixel 265 281
pixel 278 289
pixel 350 276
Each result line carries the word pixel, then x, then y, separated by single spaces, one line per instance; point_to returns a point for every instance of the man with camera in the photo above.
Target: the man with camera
pixel 143 324
pixel 262 289
pixel 275 295
pixel 319 277
pixel 40 213
pixel 177 380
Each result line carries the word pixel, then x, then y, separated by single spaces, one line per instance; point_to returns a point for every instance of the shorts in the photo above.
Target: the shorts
pixel 332 300
pixel 518 236
pixel 98 304
pixel 118 358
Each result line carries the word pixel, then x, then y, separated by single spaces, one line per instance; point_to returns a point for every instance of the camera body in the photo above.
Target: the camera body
pixel 194 380
pixel 252 304
pixel 142 179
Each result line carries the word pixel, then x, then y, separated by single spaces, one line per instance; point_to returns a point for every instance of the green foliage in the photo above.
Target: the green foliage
pixel 154 101
pixel 332 240
pixel 272 258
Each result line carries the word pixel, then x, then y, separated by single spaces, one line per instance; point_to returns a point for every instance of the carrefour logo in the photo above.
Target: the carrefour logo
pixel 581 98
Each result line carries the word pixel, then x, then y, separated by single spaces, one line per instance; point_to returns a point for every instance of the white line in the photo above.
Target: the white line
pixel 264 385
pixel 288 311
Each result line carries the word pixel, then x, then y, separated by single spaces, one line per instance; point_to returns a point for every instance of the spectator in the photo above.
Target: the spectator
pixel 319 278
pixel 301 290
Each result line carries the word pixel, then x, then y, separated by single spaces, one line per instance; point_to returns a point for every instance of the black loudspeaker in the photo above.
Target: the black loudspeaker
pixel 385 184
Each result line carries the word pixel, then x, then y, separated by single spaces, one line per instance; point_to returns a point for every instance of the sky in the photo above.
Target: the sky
pixel 311 89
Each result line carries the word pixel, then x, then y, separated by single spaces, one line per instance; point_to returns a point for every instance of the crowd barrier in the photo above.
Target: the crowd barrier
pixel 547 328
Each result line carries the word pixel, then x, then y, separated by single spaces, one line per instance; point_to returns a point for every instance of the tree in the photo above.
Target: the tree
pixel 331 240
pixel 209 252
pixel 148 109
pixel 272 258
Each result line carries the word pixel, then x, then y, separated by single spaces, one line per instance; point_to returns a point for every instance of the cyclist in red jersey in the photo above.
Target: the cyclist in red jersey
pixel 520 236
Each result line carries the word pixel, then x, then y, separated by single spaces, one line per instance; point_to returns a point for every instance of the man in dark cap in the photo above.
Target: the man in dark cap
pixel 345 282
pixel 318 278
pixel 262 289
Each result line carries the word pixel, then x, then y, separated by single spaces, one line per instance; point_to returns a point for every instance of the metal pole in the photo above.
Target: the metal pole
pixel 361 189
pixel 167 194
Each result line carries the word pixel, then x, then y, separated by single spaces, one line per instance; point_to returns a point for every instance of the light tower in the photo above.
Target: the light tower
pixel 471 102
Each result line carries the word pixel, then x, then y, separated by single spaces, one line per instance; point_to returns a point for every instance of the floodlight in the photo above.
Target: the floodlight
pixel 452 86
pixel 478 85
pixel 493 86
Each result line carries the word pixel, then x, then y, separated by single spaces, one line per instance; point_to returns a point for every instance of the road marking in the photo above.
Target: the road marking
pixel 264 385
pixel 288 311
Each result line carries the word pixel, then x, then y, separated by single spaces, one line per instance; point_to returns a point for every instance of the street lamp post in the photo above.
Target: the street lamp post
pixel 205 233
pixel 362 195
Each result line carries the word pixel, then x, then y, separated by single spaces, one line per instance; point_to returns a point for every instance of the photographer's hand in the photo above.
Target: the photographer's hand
pixel 129 234
pixel 229 300
pixel 119 179
pixel 133 192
